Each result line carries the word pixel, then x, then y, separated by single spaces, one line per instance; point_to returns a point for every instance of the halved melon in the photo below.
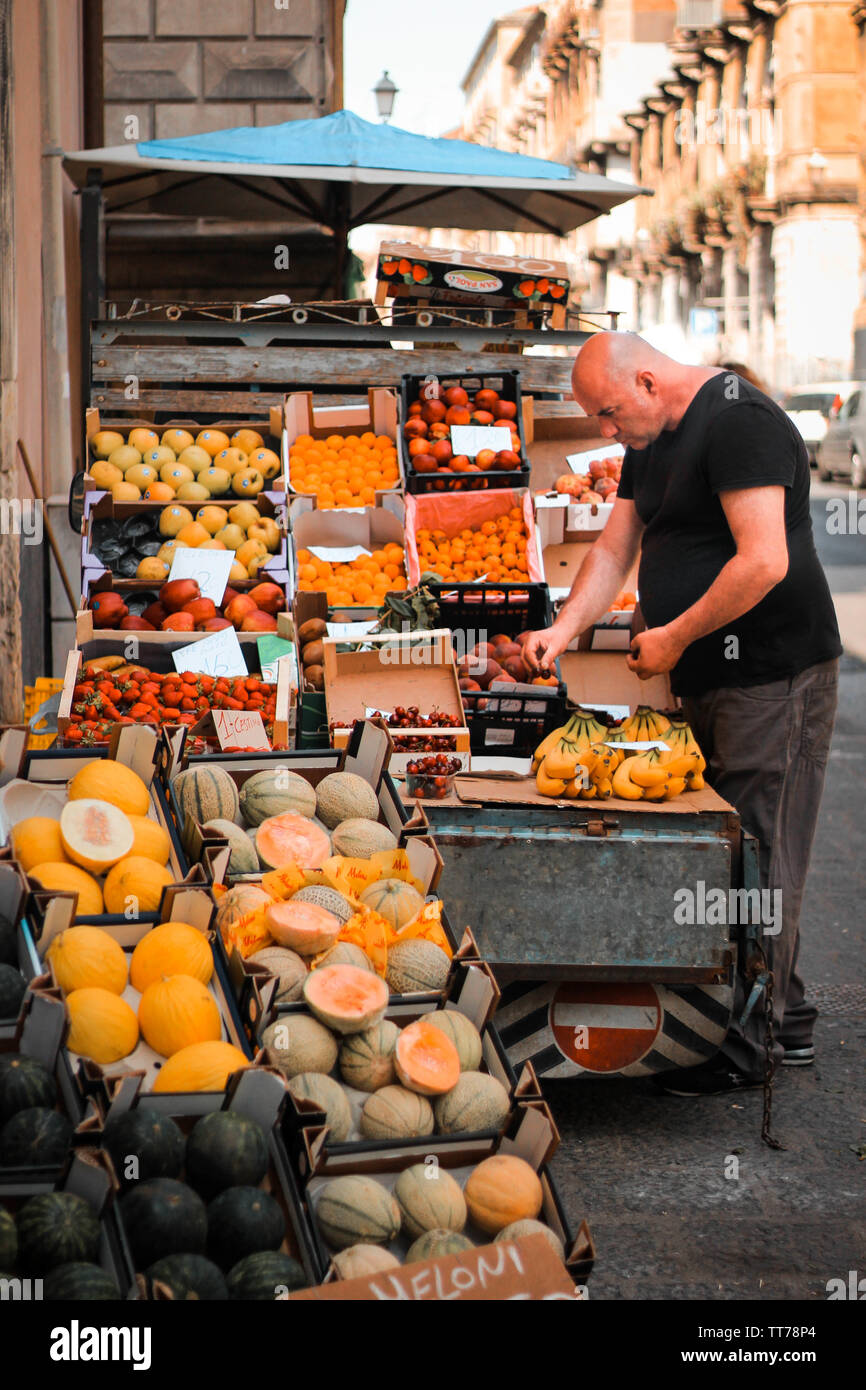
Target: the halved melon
pixel 291 839
pixel 95 834
pixel 426 1059
pixel 347 999
pixel 303 927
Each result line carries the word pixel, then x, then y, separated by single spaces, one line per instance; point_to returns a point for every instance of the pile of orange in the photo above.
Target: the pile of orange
pixel 364 581
pixel 496 549
pixel 343 470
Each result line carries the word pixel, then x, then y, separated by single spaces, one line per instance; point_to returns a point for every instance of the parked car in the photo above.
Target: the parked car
pixel 842 451
pixel 811 407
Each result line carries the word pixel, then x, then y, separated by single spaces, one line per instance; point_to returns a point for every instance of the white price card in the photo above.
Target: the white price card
pixel 209 568
pixel 612 711
pixel 217 655
pixel 338 554
pixel 240 728
pixel 372 713
pixel 471 439
pixel 640 745
pixel 347 632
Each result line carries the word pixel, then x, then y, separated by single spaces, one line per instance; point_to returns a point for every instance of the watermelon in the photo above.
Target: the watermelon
pixel 190 1278
pixel 55 1228
pixel 207 793
pixel 152 1140
pixel 244 859
pixel 8 940
pixel 275 792
pixel 225 1149
pixel 8 1240
pixel 35 1138
pixel 264 1276
pixel 13 988
pixel 23 1084
pixel 163 1217
pixel 242 1221
pixel 79 1281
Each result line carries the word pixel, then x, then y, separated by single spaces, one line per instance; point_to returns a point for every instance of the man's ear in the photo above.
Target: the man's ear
pixel 645 381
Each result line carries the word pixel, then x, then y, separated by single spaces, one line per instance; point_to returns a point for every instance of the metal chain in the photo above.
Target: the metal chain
pixel 769 1069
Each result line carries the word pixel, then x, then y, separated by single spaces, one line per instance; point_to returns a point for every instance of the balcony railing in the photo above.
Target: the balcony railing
pixel 699 14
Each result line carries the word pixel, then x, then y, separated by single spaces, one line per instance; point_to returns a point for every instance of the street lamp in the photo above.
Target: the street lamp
pixel 385 91
pixel 817 166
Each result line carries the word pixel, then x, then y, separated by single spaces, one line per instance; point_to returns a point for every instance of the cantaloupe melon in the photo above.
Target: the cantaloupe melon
pixel 207 793
pixel 238 902
pixel 343 795
pixel 204 1066
pixel 355 1210
pixel 395 900
pixel 291 839
pixel 330 1097
pixel 300 1043
pixel 68 878
pixel 302 927
pixel 272 793
pixel 530 1227
pixel 360 1260
pixel 426 1060
pixel 393 1113
pixel 366 1059
pixel 433 1244
pixel 176 1012
pixel 244 859
pixel 87 957
pixel 346 953
pixel 95 834
pixel 462 1032
pixel 478 1101
pixel 328 898
pixel 417 967
pixel 37 840
pixel 150 840
pixel 102 1025
pixel 107 780
pixel 171 948
pixel 135 885
pixel 289 968
pixel 358 838
pixel 429 1204
pixel 346 999
pixel 501 1190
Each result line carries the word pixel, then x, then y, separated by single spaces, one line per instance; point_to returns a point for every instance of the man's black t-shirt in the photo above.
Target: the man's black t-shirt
pixel 731 436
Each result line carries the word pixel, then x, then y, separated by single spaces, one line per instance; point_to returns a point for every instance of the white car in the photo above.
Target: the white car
pixel 810 409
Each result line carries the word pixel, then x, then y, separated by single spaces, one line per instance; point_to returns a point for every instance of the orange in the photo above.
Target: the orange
pixel 193 534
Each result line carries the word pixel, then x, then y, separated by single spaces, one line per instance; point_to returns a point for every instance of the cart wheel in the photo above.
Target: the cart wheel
pixel 76 502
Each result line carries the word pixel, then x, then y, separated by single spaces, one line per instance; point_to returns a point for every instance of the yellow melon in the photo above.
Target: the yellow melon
pixel 107 780
pixel 95 834
pixel 87 958
pixel 172 948
pixel 135 885
pixel 103 1026
pixel 177 1012
pixel 151 841
pixel 204 1066
pixel 68 878
pixel 37 840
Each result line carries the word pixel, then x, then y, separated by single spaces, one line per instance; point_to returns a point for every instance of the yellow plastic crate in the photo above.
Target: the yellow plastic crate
pixel 34 697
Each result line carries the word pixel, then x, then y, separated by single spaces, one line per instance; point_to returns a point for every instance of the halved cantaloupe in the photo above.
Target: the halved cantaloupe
pixel 347 999
pixel 426 1059
pixel 36 840
pixel 95 834
pixel 303 927
pixel 291 839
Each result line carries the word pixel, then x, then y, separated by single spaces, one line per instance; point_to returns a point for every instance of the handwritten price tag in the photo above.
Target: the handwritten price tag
pixel 338 554
pixel 238 728
pixel 209 568
pixel 217 655
pixel 471 439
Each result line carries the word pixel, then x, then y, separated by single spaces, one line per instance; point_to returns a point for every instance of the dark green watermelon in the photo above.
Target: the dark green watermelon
pixel 79 1281
pixel 242 1221
pixel 8 941
pixel 13 988
pixel 163 1217
pixel 153 1140
pixel 35 1138
pixel 8 1240
pixel 55 1228
pixel 23 1084
pixel 225 1149
pixel 261 1277
pixel 190 1277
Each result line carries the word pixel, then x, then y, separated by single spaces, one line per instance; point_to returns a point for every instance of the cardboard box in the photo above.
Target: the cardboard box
pixel 601 679
pixel 564 550
pixel 453 512
pixel 86 633
pixel 342 528
pixel 471 277
pixel 379 416
pixel 552 437
pixel 397 669
pixel 271 431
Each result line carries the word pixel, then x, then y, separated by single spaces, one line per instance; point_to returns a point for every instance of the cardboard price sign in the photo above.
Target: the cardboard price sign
pixel 238 728
pixel 519 1270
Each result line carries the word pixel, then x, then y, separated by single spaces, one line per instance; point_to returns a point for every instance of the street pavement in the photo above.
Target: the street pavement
pixel 650 1173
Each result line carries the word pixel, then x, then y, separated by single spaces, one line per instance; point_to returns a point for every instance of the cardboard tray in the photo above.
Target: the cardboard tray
pixel 85 632
pixel 492 281
pixel 14 890
pixel 379 415
pixel 370 527
pixel 453 512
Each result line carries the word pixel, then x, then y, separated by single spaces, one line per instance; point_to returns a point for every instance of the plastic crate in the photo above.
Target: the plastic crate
pixel 513 723
pixel 507 384
pixel 485 608
pixel 35 696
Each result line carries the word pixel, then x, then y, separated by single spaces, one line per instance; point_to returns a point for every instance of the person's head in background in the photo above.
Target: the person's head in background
pixel 740 369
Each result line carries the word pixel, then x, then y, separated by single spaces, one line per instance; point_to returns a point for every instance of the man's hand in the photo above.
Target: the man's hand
pixel 653 652
pixel 543 647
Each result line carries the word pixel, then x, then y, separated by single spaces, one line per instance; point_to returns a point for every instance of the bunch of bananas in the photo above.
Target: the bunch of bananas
pixel 580 760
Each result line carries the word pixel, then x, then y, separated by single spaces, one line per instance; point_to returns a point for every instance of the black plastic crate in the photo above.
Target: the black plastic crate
pixel 512 723
pixel 507 384
pixel 482 609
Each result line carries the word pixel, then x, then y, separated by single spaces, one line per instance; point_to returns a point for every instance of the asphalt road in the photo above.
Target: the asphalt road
pixel 648 1172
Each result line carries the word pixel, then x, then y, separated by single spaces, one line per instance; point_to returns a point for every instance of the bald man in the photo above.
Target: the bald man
pixel 715 495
